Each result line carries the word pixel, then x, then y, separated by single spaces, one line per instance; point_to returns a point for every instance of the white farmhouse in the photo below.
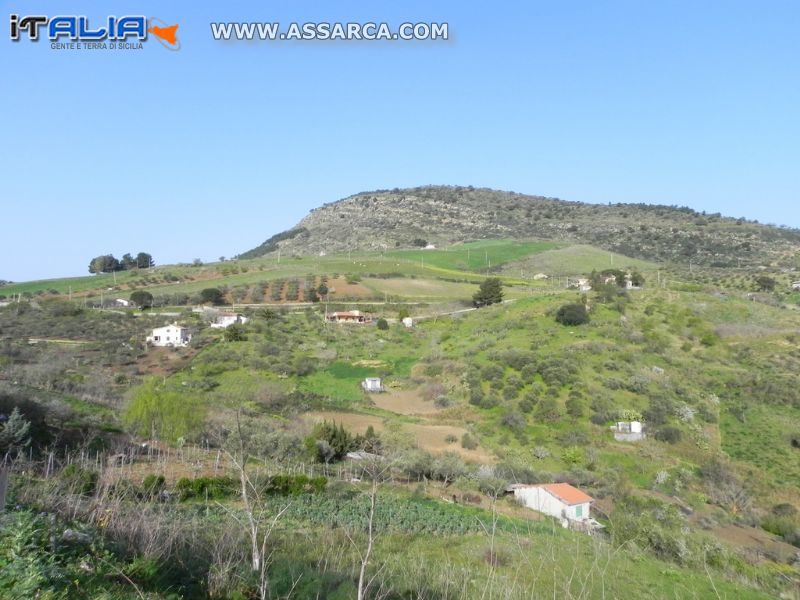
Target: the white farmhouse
pixel 170 335
pixel 540 277
pixel 408 322
pixel 226 319
pixel 796 286
pixel 560 500
pixel 122 302
pixel 582 284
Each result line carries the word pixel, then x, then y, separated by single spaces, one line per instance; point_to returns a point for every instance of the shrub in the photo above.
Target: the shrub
pixel 468 442
pixel 382 324
pixel 669 434
pixel 78 480
pixel 212 296
pixel 514 421
pixel 153 484
pixel 212 488
pixel 572 314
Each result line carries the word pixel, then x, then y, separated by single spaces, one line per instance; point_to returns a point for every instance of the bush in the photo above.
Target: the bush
pixel 669 434
pixel 572 314
pixel 468 442
pixel 78 480
pixel 152 485
pixel 212 296
pixel 211 488
pixel 382 324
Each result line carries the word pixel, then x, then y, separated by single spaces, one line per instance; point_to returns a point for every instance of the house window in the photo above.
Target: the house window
pixel 578 511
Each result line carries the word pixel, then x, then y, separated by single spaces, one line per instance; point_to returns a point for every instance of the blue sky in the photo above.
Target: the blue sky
pixel 210 150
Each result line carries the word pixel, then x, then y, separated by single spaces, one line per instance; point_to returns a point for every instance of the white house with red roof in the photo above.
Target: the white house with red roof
pixel 351 316
pixel 560 500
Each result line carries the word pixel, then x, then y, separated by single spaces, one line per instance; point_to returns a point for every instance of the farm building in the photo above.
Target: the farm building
pixel 170 335
pixel 122 302
pixel 226 319
pixel 582 284
pixel 628 431
pixel 352 316
pixel 430 247
pixel 796 286
pixel 560 500
pixel 372 384
pixel 539 277
pixel 408 322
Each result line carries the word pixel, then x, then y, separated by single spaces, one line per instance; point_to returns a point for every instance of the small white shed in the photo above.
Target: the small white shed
pixel 372 384
pixel 408 322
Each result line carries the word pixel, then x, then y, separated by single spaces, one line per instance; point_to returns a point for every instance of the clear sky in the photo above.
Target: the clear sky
pixel 210 150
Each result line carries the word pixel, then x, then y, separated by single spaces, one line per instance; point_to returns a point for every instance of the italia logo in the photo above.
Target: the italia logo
pixel 75 29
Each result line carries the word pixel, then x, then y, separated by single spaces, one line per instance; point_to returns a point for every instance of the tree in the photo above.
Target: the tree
pixel 212 296
pixel 15 432
pixel 448 467
pixel 765 283
pixel 572 314
pixel 127 262
pixel 489 292
pixel 382 324
pixel 144 260
pixel 235 333
pixel 104 264
pixel 143 299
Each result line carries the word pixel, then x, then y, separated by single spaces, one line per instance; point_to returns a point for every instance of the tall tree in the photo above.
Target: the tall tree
pixel 144 260
pixel 490 292
pixel 127 262
pixel 142 298
pixel 104 264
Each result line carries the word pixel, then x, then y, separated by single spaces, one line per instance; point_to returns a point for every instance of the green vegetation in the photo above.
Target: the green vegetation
pixel 473 400
pixel 489 292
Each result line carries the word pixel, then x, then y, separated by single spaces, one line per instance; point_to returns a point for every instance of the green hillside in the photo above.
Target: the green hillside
pixel 475 400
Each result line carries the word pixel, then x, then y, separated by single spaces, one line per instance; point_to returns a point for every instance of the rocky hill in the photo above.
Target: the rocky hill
pixel 387 219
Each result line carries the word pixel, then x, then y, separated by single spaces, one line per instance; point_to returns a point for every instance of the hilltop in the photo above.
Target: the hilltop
pixel 443 215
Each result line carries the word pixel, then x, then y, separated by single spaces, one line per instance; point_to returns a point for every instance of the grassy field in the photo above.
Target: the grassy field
pixel 467 262
pixel 573 260
pixel 474 257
